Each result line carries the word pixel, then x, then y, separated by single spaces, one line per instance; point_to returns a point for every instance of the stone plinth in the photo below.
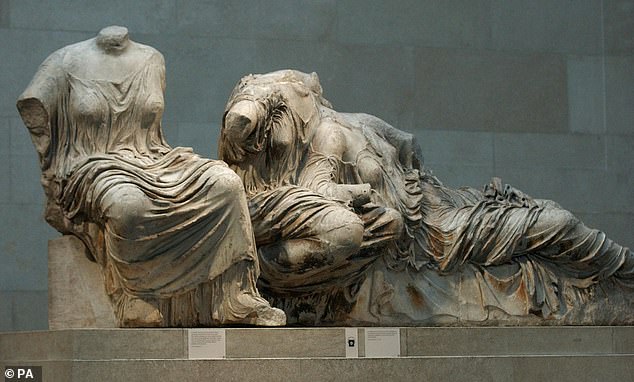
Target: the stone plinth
pixel 317 354
pixel 76 292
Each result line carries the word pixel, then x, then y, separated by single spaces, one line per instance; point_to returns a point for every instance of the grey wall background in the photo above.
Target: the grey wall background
pixel 540 93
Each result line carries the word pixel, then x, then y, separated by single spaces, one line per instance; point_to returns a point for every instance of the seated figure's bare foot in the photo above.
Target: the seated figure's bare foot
pixel 140 314
pixel 269 316
pixel 254 310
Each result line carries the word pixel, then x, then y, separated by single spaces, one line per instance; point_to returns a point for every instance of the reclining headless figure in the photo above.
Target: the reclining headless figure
pixel 331 192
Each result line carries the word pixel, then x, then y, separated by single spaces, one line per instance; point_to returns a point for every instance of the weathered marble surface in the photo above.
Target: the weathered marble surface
pixel 337 210
pixel 76 294
pixel 351 228
pixel 170 230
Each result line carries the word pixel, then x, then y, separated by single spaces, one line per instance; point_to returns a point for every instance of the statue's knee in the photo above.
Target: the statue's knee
pixel 228 183
pixel 124 209
pixel 563 217
pixel 347 233
pixel 557 217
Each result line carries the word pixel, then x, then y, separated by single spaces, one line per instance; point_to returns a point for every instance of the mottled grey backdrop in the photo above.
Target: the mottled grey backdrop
pixel 540 93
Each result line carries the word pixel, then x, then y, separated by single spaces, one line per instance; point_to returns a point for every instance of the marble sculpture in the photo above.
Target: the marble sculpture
pixel 352 228
pixel 334 212
pixel 170 229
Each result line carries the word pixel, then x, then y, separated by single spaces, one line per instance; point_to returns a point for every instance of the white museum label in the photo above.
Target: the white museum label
pixel 351 339
pixel 382 342
pixel 206 343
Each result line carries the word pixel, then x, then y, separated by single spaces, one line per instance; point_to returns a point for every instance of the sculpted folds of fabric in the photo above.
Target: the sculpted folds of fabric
pixel 162 222
pixel 426 253
pixel 332 217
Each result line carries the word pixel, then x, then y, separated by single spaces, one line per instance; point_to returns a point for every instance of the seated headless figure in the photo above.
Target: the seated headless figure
pixel 169 229
pixel 331 192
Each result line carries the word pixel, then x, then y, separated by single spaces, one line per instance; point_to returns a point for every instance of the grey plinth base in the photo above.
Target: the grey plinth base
pixel 318 354
pixel 77 297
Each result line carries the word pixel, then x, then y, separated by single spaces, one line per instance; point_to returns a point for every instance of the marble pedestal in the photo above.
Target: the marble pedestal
pixel 76 293
pixel 96 351
pixel 318 354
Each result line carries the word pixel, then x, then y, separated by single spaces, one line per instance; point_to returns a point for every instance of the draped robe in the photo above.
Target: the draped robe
pixel 165 224
pixel 463 253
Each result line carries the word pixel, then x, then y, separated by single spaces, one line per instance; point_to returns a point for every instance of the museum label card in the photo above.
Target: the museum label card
pixel 382 342
pixel 206 343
